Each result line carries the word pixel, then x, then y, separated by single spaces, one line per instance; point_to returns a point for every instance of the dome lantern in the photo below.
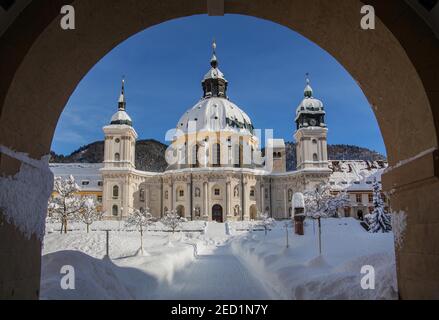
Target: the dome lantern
pixel 214 84
pixel 308 90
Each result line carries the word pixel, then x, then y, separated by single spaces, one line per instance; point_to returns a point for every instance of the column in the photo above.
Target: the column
pixel 205 202
pixel 262 199
pixel 147 195
pixel 285 202
pixel 171 196
pixel 244 195
pixel 228 198
pixel 188 201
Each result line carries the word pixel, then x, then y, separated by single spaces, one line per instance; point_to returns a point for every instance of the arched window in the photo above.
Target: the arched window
pixel 216 154
pixel 115 192
pixel 252 192
pixel 116 157
pixel 115 210
pixel 197 192
pixel 315 157
pixel 314 141
pixel 142 195
pixel 166 194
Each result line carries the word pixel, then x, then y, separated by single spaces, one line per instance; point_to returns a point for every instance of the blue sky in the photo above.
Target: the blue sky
pixel 265 65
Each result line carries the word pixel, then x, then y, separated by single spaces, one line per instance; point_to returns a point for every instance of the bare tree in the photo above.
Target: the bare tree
pixel 65 203
pixel 89 212
pixel 141 220
pixel 172 220
pixel 322 203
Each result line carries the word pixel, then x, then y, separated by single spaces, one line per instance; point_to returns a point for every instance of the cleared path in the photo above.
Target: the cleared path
pixel 215 275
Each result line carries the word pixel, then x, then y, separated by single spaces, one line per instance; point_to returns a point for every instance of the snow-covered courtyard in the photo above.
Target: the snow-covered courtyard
pixel 218 261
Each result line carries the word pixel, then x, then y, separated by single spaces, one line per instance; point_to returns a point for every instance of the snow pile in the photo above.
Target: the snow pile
pixel 23 197
pixel 128 275
pixel 300 273
pixel 94 278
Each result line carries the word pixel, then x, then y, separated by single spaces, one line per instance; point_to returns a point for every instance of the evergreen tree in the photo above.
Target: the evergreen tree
pixel 379 220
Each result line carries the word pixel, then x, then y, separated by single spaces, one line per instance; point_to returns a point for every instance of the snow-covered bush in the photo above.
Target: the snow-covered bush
pixel 89 212
pixel 65 203
pixel 141 220
pixel 266 222
pixel 172 220
pixel 379 221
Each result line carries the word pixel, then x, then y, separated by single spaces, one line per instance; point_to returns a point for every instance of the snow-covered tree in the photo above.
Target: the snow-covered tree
pixel 336 202
pixel 65 203
pixel 379 220
pixel 89 212
pixel 141 220
pixel 323 203
pixel 266 222
pixel 172 220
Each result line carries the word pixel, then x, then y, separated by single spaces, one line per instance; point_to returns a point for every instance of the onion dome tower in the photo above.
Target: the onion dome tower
pixel 310 112
pixel 311 134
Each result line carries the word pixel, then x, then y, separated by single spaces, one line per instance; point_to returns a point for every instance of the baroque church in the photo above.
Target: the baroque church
pixel 217 170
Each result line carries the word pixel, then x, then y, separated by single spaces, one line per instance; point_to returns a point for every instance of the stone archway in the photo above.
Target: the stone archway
pixel 395 65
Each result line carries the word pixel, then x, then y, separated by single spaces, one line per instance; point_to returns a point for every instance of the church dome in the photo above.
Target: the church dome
pixel 216 114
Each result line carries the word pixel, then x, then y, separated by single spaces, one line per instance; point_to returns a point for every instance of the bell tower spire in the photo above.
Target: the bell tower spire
pixel 122 102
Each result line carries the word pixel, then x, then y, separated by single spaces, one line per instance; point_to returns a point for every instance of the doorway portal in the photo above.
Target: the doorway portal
pixel 217 213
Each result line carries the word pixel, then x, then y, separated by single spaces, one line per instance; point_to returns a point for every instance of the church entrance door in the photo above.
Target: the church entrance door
pixel 217 213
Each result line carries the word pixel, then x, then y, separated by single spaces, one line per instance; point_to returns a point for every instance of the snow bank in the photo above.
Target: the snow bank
pixel 300 273
pixel 94 278
pixel 23 197
pixel 128 275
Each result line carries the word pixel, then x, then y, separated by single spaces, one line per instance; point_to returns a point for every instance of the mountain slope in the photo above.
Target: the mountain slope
pixel 150 154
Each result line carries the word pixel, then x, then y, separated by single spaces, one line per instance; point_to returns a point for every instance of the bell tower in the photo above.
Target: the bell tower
pixel 311 132
pixel 120 138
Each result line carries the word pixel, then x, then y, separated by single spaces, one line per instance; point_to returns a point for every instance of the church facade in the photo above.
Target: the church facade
pixel 216 169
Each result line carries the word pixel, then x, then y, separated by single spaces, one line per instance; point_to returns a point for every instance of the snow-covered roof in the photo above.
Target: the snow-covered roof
pixel 87 175
pixel 216 114
pixel 276 143
pixel 355 175
pixel 120 116
pixel 214 73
